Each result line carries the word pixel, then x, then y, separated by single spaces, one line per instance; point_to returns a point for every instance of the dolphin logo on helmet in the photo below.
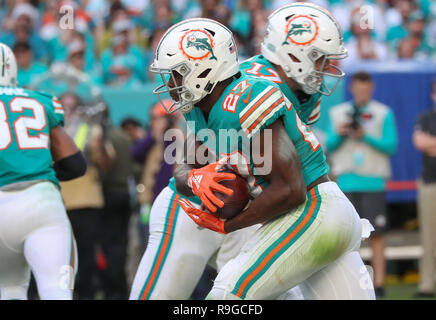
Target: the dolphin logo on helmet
pixel 201 44
pixel 301 30
pixel 303 38
pixel 192 57
pixel 201 41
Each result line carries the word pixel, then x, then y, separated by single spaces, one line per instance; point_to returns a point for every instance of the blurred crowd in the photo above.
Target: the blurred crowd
pixel 112 42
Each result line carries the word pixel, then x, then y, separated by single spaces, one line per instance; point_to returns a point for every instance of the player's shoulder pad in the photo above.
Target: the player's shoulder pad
pixel 262 100
pixel 44 94
pixel 51 101
pixel 252 88
pixel 246 62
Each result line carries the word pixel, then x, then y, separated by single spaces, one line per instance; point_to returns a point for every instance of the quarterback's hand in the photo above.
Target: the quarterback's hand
pixel 205 180
pixel 202 218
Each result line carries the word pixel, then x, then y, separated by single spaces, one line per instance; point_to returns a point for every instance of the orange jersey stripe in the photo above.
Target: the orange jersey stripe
pixel 164 247
pixel 258 103
pixel 263 115
pixel 314 116
pixel 281 244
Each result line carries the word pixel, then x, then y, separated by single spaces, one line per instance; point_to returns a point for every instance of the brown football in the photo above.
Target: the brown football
pixel 234 204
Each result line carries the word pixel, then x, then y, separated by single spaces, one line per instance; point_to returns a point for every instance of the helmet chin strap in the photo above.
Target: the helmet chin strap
pixel 188 108
pixel 189 104
pixel 310 84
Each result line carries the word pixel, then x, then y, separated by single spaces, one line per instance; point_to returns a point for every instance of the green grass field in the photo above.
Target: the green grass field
pixel 402 292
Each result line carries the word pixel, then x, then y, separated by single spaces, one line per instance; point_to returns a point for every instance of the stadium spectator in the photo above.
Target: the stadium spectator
pixel 49 22
pixel 28 69
pixel 115 177
pixel 138 230
pixel 371 12
pixel 149 54
pixel 149 151
pixel 123 62
pixel 61 44
pixel 414 27
pixel 83 197
pixel 424 139
pixel 120 21
pixel 163 16
pixel 76 59
pixel 242 52
pixel 133 129
pixel 97 10
pixel 279 3
pixel 25 17
pixel 361 137
pixel 152 18
pixel 55 19
pixel 401 9
pixel 431 28
pixel 361 43
pixel 215 10
pixel 249 21
pixel 73 73
pixel 406 49
pixel 414 44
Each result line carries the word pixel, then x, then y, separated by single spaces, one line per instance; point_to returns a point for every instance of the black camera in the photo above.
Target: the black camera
pixel 355 116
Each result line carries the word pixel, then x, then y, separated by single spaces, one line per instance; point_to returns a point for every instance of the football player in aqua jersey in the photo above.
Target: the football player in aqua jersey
pixel 297 38
pixel 313 244
pixel 251 105
pixel 177 250
pixel 35 153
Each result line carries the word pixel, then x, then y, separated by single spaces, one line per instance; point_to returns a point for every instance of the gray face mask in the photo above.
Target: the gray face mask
pixel 315 82
pixel 183 99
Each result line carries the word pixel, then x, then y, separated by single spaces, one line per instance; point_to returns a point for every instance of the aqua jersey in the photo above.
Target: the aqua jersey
pixel 248 105
pixel 259 66
pixel 26 118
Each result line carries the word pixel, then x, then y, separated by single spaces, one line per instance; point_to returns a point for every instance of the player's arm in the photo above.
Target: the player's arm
pixel 286 189
pixel 69 162
pixel 200 179
pixel 182 168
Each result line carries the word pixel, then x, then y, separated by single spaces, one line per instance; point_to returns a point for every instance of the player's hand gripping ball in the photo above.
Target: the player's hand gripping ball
pixel 232 205
pixel 235 203
pixel 229 203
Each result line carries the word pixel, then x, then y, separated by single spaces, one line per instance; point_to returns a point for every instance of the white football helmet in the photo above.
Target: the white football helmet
pixel 8 67
pixel 203 52
pixel 299 34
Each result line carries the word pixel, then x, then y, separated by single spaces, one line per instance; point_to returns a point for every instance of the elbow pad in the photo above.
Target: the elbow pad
pixel 70 167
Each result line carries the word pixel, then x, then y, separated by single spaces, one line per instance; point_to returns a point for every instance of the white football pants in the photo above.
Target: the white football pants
pixel 315 247
pixel 35 235
pixel 178 251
